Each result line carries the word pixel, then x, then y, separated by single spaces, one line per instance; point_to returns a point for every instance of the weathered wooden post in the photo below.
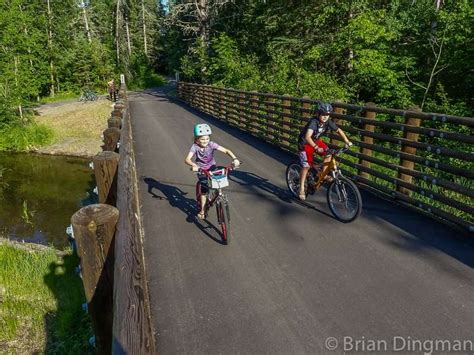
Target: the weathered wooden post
pixel 269 106
pixel 222 104
pixel 122 93
pixel 254 108
pixel 117 114
pixel 339 111
pixel 412 121
pixel 94 229
pixel 286 119
pixel 105 171
pixel 242 110
pixel 230 105
pixel 370 115
pixel 111 138
pixel 120 106
pixel 306 108
pixel 114 122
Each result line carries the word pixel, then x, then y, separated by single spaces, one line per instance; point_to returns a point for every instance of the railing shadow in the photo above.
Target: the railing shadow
pixel 63 336
pixel 177 198
pixel 419 233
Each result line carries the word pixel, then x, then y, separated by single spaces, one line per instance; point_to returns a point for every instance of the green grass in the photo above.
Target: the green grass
pixel 40 302
pixel 20 137
pixel 59 97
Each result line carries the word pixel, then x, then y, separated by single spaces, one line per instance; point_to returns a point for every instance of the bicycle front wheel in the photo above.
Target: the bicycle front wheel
pixel 344 200
pixel 223 217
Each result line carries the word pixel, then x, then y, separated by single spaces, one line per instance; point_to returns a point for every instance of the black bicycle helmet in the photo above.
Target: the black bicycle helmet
pixel 324 107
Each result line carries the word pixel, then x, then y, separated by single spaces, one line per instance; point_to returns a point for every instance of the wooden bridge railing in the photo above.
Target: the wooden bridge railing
pixel 423 160
pixel 109 239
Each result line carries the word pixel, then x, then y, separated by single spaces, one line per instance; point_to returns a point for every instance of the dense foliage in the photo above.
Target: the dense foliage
pixel 51 48
pixel 395 53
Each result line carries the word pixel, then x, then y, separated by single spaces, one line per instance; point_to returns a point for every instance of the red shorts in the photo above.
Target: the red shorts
pixel 306 156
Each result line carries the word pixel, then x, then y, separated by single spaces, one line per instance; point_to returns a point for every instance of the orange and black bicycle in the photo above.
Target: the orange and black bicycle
pixel 343 196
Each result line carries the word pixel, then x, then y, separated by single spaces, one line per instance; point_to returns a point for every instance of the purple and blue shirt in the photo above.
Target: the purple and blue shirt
pixel 204 156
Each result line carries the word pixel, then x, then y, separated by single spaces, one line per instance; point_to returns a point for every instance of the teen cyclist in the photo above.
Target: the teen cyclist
pixel 309 141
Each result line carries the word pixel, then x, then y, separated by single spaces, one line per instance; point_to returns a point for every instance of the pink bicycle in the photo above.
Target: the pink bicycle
pixel 217 181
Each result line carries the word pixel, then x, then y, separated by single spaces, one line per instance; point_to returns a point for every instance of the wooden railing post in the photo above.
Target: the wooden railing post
pixel 368 140
pixel 222 104
pixel 339 111
pixel 105 171
pixel 306 115
pixel 120 106
pixel 94 229
pixel 111 138
pixel 179 92
pixel 254 107
pixel 114 122
pixel 412 121
pixel 117 114
pixel 242 110
pixel 269 106
pixel 286 102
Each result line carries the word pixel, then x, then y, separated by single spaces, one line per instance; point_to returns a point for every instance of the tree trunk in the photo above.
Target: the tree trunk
pixel 117 14
pixel 129 46
pixel 86 23
pixel 50 45
pixel 145 46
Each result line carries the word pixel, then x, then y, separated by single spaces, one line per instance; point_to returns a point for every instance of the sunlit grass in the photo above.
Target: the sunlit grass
pixel 59 97
pixel 20 137
pixel 40 302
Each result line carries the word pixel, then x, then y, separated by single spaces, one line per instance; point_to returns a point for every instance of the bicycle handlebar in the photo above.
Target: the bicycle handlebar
pixel 336 151
pixel 209 173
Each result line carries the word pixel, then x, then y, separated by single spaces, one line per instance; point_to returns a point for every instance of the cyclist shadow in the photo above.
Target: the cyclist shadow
pixel 177 198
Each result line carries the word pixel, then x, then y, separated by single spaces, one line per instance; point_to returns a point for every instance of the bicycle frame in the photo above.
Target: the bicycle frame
pixel 332 168
pixel 219 195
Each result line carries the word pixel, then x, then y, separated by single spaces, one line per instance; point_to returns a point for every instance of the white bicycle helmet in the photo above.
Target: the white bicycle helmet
pixel 202 129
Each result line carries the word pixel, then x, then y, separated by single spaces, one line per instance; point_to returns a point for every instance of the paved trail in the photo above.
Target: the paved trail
pixel 293 275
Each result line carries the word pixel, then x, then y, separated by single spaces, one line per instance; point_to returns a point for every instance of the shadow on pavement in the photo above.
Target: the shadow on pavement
pixel 177 198
pixel 419 233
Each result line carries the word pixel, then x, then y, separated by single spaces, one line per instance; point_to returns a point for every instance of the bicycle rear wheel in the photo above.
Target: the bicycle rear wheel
pixel 223 217
pixel 344 200
pixel 293 173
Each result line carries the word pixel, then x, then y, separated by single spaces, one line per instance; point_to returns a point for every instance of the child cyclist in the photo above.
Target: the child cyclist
pixel 203 148
pixel 309 141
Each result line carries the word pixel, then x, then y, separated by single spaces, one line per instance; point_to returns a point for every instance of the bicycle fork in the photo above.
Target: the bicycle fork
pixel 341 193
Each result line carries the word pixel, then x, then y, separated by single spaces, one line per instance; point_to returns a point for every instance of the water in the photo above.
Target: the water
pixel 39 194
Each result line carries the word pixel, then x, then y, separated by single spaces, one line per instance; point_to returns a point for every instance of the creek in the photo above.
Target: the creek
pixel 40 193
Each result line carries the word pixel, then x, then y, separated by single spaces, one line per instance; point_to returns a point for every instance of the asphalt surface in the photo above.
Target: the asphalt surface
pixel 293 276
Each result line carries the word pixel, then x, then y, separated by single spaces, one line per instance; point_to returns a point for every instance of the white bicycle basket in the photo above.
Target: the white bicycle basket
pixel 218 179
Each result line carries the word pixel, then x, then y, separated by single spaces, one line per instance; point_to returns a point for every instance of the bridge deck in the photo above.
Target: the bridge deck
pixel 292 276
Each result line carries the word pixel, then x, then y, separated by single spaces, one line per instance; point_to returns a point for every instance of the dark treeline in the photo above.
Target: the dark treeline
pixel 58 47
pixel 395 53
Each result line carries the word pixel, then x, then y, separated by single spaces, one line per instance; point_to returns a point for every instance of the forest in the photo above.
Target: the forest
pixel 398 53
